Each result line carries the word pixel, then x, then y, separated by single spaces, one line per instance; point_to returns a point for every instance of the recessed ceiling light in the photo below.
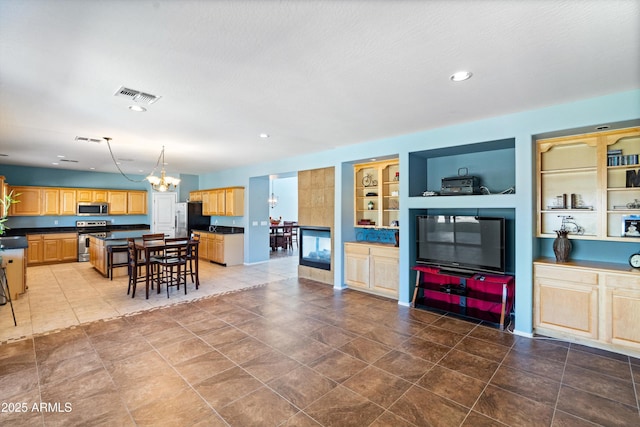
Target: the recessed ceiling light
pixel 92 169
pixel 54 163
pixel 60 156
pixel 264 135
pixel 461 76
pixel 137 108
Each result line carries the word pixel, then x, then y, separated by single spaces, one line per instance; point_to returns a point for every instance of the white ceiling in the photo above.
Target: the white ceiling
pixel 312 74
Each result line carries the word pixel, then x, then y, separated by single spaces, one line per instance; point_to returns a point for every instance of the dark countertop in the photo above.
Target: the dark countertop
pixel 13 242
pixel 69 229
pixel 119 237
pixel 223 229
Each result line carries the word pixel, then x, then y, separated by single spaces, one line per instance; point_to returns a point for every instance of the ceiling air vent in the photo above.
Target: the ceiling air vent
pixel 85 139
pixel 69 160
pixel 136 95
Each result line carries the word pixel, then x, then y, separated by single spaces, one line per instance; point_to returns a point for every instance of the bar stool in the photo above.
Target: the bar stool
pixel 110 264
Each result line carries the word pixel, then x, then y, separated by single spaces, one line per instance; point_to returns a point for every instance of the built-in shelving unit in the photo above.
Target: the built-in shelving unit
pixel 428 167
pixel 377 194
pixel 493 163
pixel 592 181
pixel 579 180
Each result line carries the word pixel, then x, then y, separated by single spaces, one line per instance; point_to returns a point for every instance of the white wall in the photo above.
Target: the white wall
pixel 287 191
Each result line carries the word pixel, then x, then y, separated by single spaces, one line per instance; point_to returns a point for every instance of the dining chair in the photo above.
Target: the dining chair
pixel 294 232
pixel 172 265
pixel 136 264
pixel 152 236
pixel 192 256
pixel 287 235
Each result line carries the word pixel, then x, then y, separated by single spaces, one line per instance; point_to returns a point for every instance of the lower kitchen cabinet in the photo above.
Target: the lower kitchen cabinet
pixel 225 249
pixel 372 268
pixel 52 248
pixel 596 304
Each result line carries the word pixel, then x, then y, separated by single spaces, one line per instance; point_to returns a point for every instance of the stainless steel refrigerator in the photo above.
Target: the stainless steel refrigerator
pixel 189 217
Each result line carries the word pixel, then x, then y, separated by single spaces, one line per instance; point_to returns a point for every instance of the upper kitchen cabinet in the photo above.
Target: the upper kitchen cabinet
pixel 222 201
pixel 68 201
pixel 55 201
pixel 117 202
pixel 137 202
pixel 29 201
pixel 51 201
pixel 234 201
pixel 123 202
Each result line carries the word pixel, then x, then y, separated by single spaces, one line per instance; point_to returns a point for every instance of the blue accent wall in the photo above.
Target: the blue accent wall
pixel 520 128
pixel 49 177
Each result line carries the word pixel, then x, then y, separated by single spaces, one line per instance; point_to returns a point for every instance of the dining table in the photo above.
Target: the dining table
pixel 155 247
pixel 276 236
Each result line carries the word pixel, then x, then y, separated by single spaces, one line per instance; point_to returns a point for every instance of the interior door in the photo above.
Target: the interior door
pixel 164 214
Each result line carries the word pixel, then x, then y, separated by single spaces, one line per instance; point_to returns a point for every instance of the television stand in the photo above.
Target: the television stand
pixel 459 273
pixel 480 296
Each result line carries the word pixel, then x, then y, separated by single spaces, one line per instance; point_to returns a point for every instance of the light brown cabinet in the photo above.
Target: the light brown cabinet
pixel 136 202
pixel 53 201
pixel 29 201
pixel 35 250
pixel 372 268
pixel 117 202
pixel 377 194
pixel 67 201
pixel 589 178
pixel 52 248
pixel 234 201
pixel 591 302
pixel 222 201
pixel 225 249
pixel 98 255
pixel 213 202
pixel 84 195
pixel 195 196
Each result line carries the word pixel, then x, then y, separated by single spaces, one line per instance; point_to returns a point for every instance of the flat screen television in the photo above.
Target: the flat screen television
pixel 465 244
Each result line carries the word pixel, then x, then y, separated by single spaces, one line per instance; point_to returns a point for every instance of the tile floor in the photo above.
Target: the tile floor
pixel 283 351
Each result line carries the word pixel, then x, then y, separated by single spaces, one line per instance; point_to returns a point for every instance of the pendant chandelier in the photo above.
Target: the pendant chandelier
pixel 273 200
pixel 164 182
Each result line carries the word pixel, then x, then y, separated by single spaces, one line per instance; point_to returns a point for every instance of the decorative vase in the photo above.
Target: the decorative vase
pixel 562 246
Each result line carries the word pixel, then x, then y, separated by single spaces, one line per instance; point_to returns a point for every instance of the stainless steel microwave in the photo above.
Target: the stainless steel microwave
pixel 92 209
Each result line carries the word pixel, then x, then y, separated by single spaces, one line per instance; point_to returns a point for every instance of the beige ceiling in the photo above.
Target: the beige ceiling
pixel 312 74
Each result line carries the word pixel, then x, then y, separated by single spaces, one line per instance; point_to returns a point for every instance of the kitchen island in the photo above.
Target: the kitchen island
pixel 98 249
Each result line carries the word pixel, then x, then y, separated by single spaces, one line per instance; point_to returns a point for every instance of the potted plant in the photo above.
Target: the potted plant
pixel 7 201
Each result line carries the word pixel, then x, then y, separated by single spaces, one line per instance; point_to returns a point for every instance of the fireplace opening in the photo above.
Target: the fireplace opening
pixel 315 247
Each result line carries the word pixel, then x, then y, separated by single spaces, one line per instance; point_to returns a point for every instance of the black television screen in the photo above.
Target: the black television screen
pixel 461 243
